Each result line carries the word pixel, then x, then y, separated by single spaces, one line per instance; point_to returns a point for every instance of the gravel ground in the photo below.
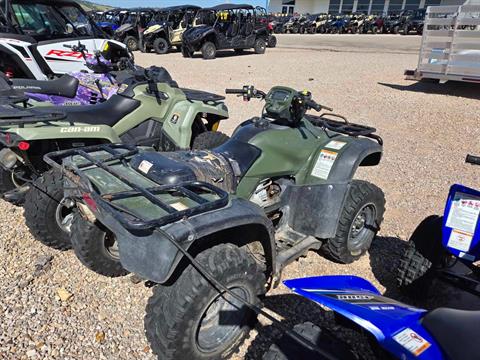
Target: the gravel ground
pixel 53 308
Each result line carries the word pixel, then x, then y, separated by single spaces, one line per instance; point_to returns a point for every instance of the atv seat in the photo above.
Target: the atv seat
pixel 198 95
pixel 220 167
pixel 456 332
pixel 66 86
pixel 106 113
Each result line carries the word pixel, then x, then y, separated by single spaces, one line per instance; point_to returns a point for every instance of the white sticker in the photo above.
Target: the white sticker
pixel 465 256
pixel 463 214
pixel 336 145
pixel 179 206
pixel 460 240
pixel 145 166
pixel 411 341
pixel 324 164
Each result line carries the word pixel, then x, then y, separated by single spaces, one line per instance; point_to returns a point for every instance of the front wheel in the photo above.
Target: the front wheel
pixel 131 42
pixel 424 253
pixel 209 140
pixel 191 320
pixel 160 45
pixel 96 247
pixel 48 214
pixel 259 46
pixel 272 41
pixel 209 51
pixel 185 52
pixel 359 222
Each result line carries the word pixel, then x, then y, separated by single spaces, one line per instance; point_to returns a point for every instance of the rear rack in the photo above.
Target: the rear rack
pixel 14 115
pixel 343 126
pixel 122 153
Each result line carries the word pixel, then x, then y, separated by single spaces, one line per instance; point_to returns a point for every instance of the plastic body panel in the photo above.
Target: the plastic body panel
pixel 468 249
pixel 359 301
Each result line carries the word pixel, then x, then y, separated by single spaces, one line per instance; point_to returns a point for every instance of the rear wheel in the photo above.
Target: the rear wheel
pixel 160 45
pixel 209 50
pixel 48 214
pixel 424 253
pixel 287 348
pixel 359 222
pixel 396 29
pixel 191 320
pixel 131 42
pixel 209 140
pixel 96 247
pixel 186 53
pixel 272 41
pixel 259 46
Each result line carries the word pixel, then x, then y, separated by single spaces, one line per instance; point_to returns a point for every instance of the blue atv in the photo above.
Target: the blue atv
pixel 398 331
pixel 445 247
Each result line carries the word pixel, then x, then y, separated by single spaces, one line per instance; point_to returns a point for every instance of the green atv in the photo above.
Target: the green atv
pixel 152 112
pixel 281 186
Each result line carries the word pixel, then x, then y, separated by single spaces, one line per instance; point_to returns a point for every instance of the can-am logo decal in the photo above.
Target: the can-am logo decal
pixel 80 129
pixel 65 54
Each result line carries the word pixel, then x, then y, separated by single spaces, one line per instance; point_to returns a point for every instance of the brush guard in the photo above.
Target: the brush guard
pixel 132 222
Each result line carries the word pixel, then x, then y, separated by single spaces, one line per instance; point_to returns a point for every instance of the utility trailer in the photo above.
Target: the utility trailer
pixel 450 47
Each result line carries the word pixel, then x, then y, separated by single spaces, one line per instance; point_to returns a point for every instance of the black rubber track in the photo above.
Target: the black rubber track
pixel 361 193
pixel 209 140
pixel 40 206
pixel 173 311
pixel 89 247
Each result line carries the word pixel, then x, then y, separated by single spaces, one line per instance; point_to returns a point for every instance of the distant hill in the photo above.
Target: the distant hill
pixel 88 5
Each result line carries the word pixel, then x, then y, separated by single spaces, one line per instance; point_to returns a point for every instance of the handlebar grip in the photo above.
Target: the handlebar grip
pixel 68 46
pixel 235 91
pixel 474 160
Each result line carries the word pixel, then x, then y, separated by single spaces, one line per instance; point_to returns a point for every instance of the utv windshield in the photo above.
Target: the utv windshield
pixel 47 22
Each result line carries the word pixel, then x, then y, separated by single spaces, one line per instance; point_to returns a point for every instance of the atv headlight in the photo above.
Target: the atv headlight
pixel 8 158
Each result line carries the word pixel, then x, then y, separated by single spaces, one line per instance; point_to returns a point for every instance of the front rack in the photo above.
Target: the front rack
pixel 343 126
pixel 122 153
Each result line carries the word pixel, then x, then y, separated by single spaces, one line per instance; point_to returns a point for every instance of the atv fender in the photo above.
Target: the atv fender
pixel 61 132
pixel 152 256
pixel 180 121
pixel 326 199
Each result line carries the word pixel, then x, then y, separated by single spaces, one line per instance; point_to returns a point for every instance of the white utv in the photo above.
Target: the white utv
pixel 36 39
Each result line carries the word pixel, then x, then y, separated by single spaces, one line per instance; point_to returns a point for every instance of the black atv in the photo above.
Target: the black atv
pixel 227 26
pixel 413 22
pixel 132 26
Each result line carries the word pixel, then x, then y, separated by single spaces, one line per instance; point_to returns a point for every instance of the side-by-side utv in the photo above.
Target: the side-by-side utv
pixel 168 26
pixel 227 26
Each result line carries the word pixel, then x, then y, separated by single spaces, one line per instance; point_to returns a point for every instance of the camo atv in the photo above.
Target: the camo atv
pixel 282 185
pixel 144 113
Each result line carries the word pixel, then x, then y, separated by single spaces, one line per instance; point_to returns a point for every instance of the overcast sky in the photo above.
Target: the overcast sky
pixel 163 3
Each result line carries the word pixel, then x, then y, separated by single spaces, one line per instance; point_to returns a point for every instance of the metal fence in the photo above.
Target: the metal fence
pixel 451 44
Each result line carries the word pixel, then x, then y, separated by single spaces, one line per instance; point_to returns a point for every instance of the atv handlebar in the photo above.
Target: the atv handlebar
pixel 317 107
pixel 474 160
pixel 248 92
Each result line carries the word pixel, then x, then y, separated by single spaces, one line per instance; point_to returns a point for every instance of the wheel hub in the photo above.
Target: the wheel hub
pixel 64 215
pixel 360 230
pixel 111 246
pixel 222 321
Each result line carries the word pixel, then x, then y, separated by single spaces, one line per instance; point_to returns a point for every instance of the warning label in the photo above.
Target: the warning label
pixel 324 164
pixel 411 341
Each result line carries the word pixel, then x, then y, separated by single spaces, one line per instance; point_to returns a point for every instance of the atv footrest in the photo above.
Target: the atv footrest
pixel 135 206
